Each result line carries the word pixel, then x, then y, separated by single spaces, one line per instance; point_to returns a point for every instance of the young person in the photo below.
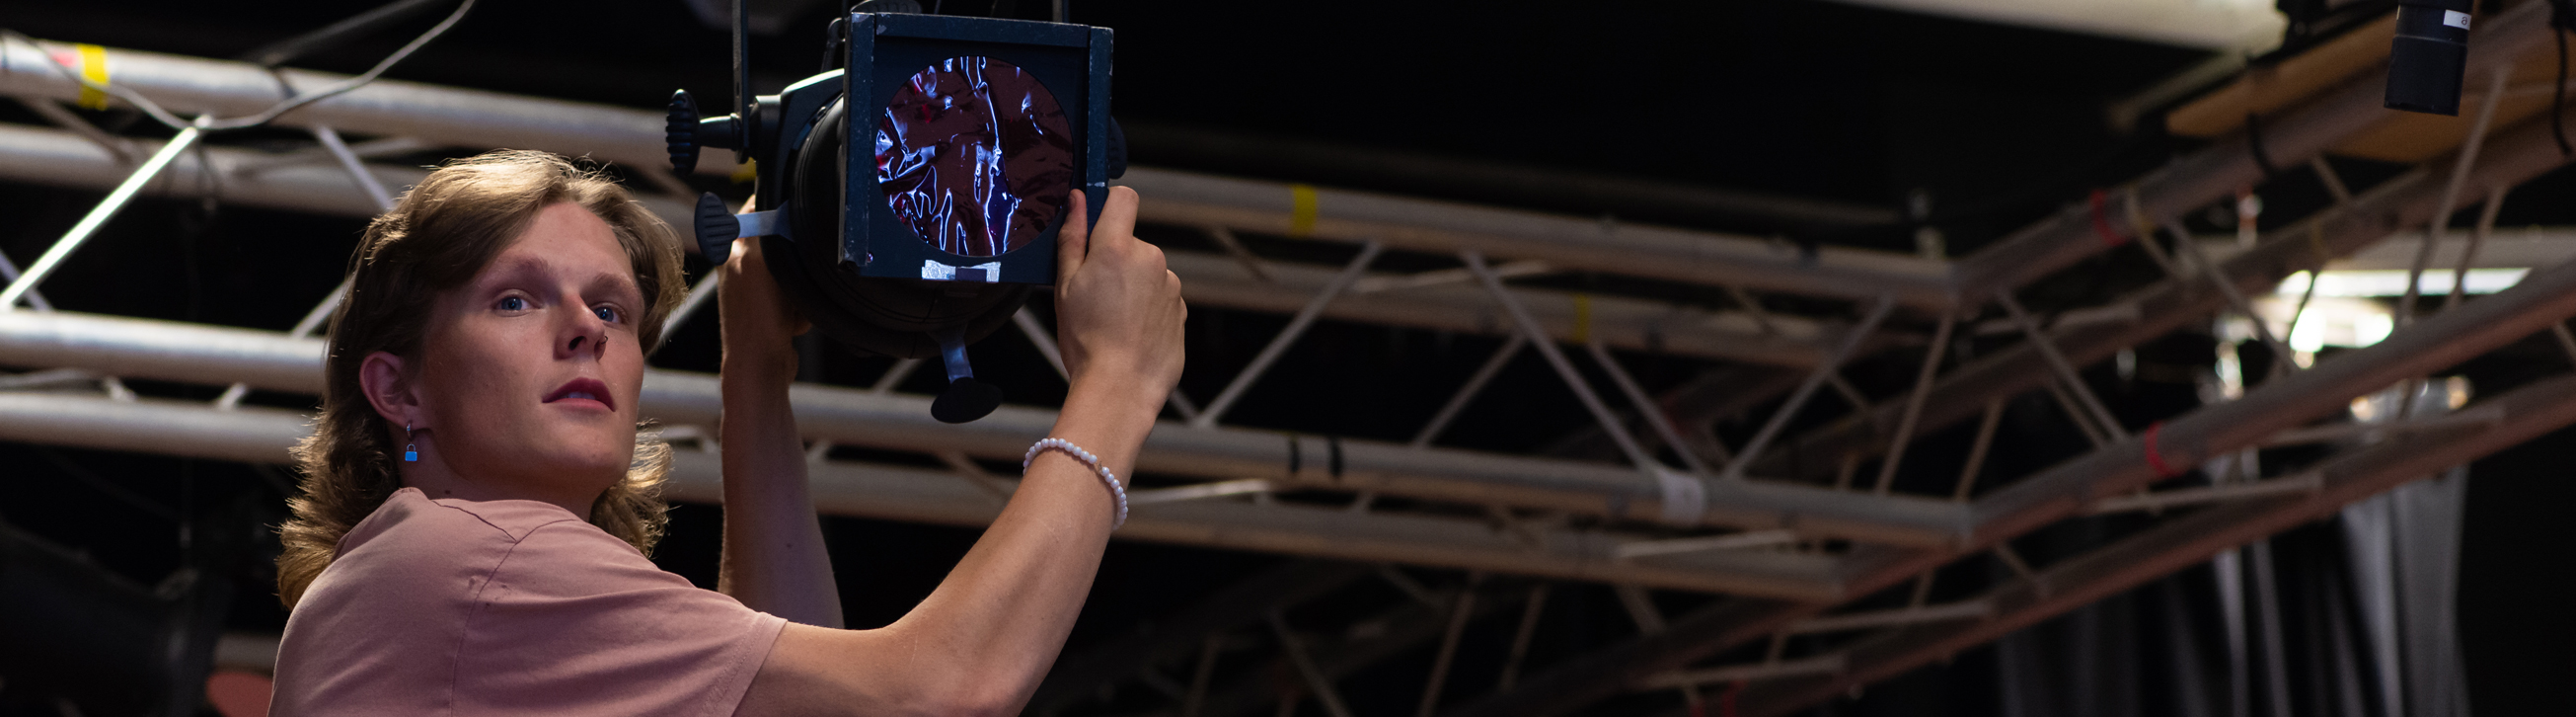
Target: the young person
pixel 478 503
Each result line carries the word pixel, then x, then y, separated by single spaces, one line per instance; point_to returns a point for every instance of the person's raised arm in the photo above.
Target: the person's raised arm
pixel 773 545
pixel 981 642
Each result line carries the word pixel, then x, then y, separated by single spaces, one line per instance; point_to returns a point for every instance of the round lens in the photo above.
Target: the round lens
pixel 975 156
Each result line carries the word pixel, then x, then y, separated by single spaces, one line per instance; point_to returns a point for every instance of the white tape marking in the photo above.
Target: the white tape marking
pixel 1685 498
pixel 988 272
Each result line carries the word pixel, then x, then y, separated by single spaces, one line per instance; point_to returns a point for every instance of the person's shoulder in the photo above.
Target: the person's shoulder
pixel 413 537
pixel 511 520
pixel 409 512
pixel 572 558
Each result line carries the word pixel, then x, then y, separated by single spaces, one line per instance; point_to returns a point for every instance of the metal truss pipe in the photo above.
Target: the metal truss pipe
pixel 2529 412
pixel 1324 532
pixel 1279 343
pixel 98 216
pixel 1610 422
pixel 195 430
pixel 263 435
pixel 2406 201
pixel 1509 181
pixel 2544 298
pixel 473 118
pixel 161 349
pixel 1798 399
pixel 1566 242
pixel 2526 413
pixel 2212 173
pixel 443 115
pixel 53 157
pixel 217 356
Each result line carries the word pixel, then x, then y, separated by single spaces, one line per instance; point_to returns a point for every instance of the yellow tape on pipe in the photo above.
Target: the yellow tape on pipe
pixel 93 65
pixel 1582 318
pixel 1301 212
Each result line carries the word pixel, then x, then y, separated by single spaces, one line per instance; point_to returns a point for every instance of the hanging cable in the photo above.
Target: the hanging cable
pixel 2254 146
pixel 2562 20
pixel 263 117
pixel 279 53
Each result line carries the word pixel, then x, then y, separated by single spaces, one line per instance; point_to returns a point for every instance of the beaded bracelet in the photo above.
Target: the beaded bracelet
pixel 1077 453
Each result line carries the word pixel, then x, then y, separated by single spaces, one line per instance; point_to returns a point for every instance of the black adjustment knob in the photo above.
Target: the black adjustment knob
pixel 966 400
pixel 1117 159
pixel 680 132
pixel 716 226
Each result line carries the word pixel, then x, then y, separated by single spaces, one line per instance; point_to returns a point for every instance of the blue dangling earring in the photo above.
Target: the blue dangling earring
pixel 411 451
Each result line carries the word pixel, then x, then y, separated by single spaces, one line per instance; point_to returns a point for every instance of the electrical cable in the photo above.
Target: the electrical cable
pixel 274 111
pixel 2254 146
pixel 284 51
pixel 2562 20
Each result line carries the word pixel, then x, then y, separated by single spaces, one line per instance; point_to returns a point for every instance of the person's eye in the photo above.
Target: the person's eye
pixel 606 313
pixel 512 303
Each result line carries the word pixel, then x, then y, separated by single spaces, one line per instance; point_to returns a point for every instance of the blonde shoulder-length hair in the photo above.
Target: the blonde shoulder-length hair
pixel 436 239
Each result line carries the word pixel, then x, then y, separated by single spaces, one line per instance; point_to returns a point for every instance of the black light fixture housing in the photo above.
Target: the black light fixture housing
pixel 78 633
pixel 2428 58
pixel 908 202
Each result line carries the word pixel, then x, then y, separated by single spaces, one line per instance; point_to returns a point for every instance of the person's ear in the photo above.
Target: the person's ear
pixel 389 389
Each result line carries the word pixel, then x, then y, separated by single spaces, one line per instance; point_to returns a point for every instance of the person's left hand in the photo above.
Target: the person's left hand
pixel 1119 312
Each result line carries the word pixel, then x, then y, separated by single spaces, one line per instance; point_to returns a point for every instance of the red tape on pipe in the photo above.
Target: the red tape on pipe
pixel 2102 225
pixel 2156 459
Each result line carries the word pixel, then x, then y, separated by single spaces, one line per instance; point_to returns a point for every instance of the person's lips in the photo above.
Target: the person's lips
pixel 583 389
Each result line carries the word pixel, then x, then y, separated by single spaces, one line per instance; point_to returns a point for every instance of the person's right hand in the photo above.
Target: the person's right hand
pixel 1118 309
pixel 758 320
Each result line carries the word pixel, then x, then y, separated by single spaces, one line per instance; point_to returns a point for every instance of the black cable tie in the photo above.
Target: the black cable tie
pixel 2254 144
pixel 1293 458
pixel 1335 461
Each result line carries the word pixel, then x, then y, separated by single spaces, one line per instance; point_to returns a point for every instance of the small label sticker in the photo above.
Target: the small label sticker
pixel 988 272
pixel 1685 497
pixel 2456 19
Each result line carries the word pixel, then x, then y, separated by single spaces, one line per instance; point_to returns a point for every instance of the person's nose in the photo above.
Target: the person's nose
pixel 585 336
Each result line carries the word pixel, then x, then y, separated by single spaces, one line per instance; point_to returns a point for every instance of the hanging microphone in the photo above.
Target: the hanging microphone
pixel 2431 53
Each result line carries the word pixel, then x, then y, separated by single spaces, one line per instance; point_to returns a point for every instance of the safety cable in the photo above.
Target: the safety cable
pixel 265 116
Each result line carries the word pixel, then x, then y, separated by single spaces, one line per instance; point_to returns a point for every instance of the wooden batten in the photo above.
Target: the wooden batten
pixel 2266 89
pixel 2403 137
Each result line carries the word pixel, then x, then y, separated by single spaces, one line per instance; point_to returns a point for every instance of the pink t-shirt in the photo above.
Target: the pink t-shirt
pixel 509 607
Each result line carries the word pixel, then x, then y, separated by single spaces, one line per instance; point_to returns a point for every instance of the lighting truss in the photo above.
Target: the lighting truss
pixel 1787 541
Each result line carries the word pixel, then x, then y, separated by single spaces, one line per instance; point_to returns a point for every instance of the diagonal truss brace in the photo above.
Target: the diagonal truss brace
pixel 2404 201
pixel 2540 301
pixel 2530 412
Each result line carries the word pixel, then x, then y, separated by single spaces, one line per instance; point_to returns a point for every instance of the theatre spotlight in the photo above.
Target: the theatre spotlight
pixel 2431 52
pixel 909 200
